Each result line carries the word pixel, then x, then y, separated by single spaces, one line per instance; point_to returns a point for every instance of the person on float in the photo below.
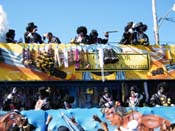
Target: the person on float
pixel 43 102
pixel 134 98
pixel 10 36
pixel 81 37
pixel 31 35
pixel 51 38
pixel 127 36
pixel 12 101
pixel 160 98
pixel 94 38
pixel 106 99
pixel 139 35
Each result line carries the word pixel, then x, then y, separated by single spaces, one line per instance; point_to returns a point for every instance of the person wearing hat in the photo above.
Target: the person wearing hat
pixel 43 103
pixel 82 36
pixel 160 98
pixel 31 35
pixel 134 97
pixel 139 36
pixel 106 99
pixel 128 34
pixel 93 37
pixel 10 36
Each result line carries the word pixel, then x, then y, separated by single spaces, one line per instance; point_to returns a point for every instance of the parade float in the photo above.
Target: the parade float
pixel 83 70
pixel 70 65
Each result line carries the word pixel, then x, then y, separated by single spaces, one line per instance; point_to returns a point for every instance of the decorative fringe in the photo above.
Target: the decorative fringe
pixel 66 63
pixel 101 62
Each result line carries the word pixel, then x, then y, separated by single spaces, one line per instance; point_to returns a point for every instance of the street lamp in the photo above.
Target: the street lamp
pixel 165 16
pixel 156 26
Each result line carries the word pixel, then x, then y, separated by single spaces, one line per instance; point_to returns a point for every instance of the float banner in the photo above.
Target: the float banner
pixel 124 62
pixel 47 62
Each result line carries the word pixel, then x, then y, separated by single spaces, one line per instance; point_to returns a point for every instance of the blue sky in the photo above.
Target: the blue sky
pixel 62 17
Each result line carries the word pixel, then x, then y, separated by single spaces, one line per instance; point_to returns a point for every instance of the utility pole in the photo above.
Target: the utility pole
pixel 156 29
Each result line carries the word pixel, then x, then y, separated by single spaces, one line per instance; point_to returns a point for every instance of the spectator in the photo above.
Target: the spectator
pixel 93 38
pixel 82 36
pixel 31 35
pixel 160 98
pixel 10 36
pixel 106 99
pixel 51 38
pixel 139 37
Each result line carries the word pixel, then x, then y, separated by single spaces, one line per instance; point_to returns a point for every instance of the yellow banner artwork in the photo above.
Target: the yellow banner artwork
pixel 38 62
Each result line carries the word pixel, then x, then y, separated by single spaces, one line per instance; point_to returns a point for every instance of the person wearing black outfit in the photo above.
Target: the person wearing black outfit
pixel 139 36
pixel 31 35
pixel 93 38
pixel 43 102
pixel 128 34
pixel 161 98
pixel 82 36
pixel 10 36
pixel 106 99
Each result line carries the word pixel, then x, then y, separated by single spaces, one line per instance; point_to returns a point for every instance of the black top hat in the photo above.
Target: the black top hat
pixel 31 24
pixel 106 90
pixel 133 88
pixel 94 33
pixel 42 92
pixel 144 27
pixel 11 31
pixel 162 85
pixel 82 29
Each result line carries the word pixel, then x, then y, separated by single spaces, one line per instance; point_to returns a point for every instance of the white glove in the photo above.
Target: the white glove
pixel 30 35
